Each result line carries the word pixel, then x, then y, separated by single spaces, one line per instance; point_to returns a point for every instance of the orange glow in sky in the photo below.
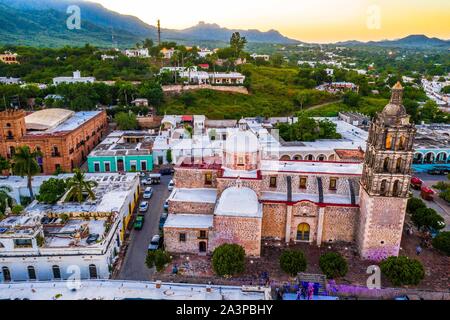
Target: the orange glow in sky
pixel 305 20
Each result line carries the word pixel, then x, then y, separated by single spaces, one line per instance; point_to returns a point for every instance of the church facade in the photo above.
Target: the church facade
pixel 242 197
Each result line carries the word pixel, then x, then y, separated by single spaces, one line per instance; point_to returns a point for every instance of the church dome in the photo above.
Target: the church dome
pixel 242 142
pixel 240 202
pixel 394 110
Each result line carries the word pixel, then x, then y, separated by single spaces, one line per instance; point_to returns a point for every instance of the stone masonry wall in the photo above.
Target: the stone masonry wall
pixel 193 178
pixel 173 244
pixel 191 207
pixel 340 224
pixel 225 183
pixel 239 230
pixel 274 221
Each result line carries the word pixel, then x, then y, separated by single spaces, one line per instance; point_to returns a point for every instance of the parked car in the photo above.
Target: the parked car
pixel 171 185
pixel 155 244
pixel 143 207
pixel 92 238
pixel 165 172
pixel 166 205
pixel 162 220
pixel 139 223
pixel 155 178
pixel 148 193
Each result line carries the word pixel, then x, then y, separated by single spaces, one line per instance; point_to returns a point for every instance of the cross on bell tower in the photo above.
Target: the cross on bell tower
pixel 385 180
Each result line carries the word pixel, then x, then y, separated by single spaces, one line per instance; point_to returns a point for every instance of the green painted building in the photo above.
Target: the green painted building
pixel 122 151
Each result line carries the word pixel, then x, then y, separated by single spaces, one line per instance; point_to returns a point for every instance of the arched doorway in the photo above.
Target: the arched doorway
pixel 441 158
pixel 298 157
pixel 120 165
pixel 6 274
pixel 309 157
pixel 321 157
pixel 202 246
pixel 92 271
pixel 429 157
pixel 418 158
pixel 303 232
pixel 285 158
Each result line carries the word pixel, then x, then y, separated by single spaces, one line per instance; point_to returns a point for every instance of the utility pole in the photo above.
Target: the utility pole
pixel 159 32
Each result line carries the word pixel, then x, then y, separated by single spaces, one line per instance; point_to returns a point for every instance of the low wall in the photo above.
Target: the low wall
pixel 180 88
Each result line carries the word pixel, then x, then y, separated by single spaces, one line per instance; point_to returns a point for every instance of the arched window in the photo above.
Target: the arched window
pixel 309 157
pixel 383 188
pixel 8 125
pixel 396 190
pixel 56 272
pixel 398 165
pixel 388 141
pixel 1 245
pixel 386 165
pixel 31 273
pixel 6 274
pixel 321 157
pixel 92 271
pixel 303 231
pixel 10 135
pixel 285 158
pixel 402 143
pixel 298 157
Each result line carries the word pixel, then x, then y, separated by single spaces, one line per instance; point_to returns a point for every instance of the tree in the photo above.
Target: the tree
pixel 169 156
pixel 158 259
pixel 333 265
pixel 78 186
pixel 402 270
pixel 237 43
pixel 414 204
pixel 5 198
pixel 4 164
pixel 228 260
pixel 352 99
pixel 293 262
pixel 126 121
pixel 442 242
pixel 428 218
pixel 153 92
pixel 25 164
pixel 52 190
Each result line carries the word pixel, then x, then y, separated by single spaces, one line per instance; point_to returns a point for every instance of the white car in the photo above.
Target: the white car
pixel 171 185
pixel 143 207
pixel 148 193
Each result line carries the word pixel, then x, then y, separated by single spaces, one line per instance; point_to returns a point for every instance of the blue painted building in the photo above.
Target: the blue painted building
pixel 123 151
pixel 432 147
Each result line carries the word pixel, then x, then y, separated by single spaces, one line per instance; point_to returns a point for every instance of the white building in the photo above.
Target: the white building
pixel 264 57
pixel 10 80
pixel 167 53
pixel 76 78
pixel 226 78
pixel 50 242
pixel 195 77
pixel 137 53
pixel 204 52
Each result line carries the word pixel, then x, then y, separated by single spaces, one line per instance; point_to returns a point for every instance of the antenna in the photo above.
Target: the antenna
pixel 159 32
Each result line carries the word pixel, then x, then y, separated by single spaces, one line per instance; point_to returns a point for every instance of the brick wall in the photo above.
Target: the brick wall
pixel 340 224
pixel 191 245
pixel 191 207
pixel 274 221
pixel 193 178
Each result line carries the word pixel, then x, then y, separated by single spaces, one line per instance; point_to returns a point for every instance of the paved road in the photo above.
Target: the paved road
pixel 133 267
pixel 438 204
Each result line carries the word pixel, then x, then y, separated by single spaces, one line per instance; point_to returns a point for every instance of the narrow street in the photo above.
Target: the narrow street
pixel 133 267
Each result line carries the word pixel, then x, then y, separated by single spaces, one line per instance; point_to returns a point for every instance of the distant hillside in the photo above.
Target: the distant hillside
pixel 43 23
pixel 412 41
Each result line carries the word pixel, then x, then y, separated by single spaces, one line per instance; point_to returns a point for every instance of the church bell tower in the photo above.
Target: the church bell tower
pixel 385 180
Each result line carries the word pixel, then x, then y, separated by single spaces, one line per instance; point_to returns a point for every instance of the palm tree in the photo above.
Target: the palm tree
pixel 78 185
pixel 25 164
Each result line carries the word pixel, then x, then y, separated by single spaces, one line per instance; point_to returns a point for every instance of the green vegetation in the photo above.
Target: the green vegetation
pixel 5 199
pixel 402 270
pixel 78 186
pixel 308 129
pixel 52 190
pixel 228 260
pixel 169 156
pixel 415 204
pixel 442 242
pixel 4 164
pixel 427 218
pixel 444 187
pixel 126 121
pixel 25 164
pixel 158 258
pixel 333 265
pixel 17 209
pixel 292 262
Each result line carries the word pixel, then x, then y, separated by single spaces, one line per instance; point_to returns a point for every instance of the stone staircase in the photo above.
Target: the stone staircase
pixel 314 278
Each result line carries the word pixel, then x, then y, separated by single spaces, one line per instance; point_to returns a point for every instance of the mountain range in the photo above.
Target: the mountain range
pixel 42 23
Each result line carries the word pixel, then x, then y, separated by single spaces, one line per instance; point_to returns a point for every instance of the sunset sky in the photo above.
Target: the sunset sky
pixel 305 20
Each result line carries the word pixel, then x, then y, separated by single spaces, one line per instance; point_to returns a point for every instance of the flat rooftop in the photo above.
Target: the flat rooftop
pixel 194 195
pixel 122 290
pixel 190 221
pixel 75 121
pixel 123 143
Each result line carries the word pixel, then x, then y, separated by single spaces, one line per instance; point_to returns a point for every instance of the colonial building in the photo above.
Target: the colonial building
pixel 64 137
pixel 9 58
pixel 245 196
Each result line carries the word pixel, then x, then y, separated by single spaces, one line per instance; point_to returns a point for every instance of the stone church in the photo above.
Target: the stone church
pixel 242 197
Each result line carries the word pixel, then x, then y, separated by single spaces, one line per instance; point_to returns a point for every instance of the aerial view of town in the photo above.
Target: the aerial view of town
pixel 274 151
